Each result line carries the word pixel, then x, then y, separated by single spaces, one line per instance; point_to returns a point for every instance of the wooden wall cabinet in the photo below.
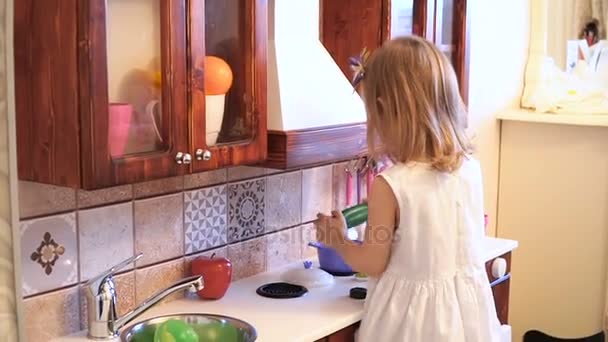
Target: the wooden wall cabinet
pixel 346 30
pixel 91 72
pixel 348 26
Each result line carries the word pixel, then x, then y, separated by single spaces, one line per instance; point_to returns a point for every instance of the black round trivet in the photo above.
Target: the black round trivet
pixel 358 293
pixel 339 274
pixel 281 290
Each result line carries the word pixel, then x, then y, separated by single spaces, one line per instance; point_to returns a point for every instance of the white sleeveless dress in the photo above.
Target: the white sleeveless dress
pixel 435 288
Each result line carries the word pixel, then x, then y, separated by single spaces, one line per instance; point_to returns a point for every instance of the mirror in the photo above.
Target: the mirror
pixel 568 64
pixel 577 31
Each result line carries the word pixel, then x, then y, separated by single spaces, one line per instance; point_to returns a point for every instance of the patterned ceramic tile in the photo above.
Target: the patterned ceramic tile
pixel 36 199
pixel 247 209
pixel 159 228
pixel 201 179
pixel 125 290
pixel 243 172
pixel 105 238
pixel 158 187
pixel 87 199
pixel 308 232
pixel 52 315
pixel 49 253
pixel 283 200
pixel 283 248
pixel 317 194
pixel 205 219
pixel 248 258
pixel 154 278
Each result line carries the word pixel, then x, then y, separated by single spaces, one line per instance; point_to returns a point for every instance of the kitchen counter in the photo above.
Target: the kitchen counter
pixel 319 313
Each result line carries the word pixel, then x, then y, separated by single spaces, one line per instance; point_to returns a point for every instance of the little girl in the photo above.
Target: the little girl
pixel 423 243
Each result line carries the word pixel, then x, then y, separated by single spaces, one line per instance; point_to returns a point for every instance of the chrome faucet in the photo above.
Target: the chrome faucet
pixel 100 292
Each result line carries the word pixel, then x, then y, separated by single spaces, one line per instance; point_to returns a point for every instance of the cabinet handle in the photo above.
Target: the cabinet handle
pixel 499 267
pixel 203 154
pixel 187 159
pixel 179 158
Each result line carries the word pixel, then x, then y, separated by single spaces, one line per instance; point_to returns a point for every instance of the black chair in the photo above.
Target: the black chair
pixel 537 336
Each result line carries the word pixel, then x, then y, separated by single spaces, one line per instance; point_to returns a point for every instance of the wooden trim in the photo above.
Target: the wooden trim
pixel 386 21
pixel 462 53
pixel 46 79
pixel 308 147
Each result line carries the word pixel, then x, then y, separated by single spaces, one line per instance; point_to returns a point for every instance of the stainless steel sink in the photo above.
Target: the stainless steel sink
pixel 211 328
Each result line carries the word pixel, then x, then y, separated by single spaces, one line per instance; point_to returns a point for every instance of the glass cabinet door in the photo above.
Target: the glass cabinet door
pixel 134 66
pixel 227 42
pixel 134 91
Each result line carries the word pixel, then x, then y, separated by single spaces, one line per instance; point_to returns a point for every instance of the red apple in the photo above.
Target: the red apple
pixel 216 272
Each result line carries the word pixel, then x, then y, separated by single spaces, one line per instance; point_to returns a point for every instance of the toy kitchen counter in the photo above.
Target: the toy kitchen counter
pixel 312 317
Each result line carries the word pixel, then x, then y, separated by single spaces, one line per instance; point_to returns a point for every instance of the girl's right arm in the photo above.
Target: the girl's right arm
pixel 372 256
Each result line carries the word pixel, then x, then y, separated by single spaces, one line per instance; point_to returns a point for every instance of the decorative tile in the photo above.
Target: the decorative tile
pixel 283 200
pixel 309 234
pixel 283 248
pixel 52 315
pixel 159 228
pixel 87 199
pixel 154 278
pixel 205 219
pixel 125 290
pixel 248 258
pixel 202 179
pixel 105 238
pixel 244 172
pixel 317 194
pixel 247 209
pixel 49 253
pixel 37 199
pixel 158 187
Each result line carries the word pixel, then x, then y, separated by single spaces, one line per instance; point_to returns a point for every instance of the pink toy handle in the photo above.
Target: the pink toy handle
pixel 349 188
pixel 369 178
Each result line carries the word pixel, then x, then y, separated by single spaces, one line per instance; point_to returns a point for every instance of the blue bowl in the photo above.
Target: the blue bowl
pixel 330 261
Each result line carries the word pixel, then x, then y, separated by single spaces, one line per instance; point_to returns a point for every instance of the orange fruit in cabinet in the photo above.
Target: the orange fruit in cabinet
pixel 218 76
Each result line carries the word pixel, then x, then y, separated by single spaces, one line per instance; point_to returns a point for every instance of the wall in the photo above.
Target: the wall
pixel 554 201
pixel 9 295
pixel 258 218
pixel 499 47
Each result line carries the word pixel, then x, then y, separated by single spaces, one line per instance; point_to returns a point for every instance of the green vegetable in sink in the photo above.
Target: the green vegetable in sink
pixel 216 332
pixel 145 335
pixel 175 330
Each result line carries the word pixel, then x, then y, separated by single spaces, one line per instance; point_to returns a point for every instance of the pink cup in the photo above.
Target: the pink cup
pixel 120 115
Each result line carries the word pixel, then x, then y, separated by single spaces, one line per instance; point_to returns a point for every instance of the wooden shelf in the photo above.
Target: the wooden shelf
pixel 302 148
pixel 523 115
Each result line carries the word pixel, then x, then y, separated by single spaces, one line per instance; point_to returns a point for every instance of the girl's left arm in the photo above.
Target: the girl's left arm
pixel 371 257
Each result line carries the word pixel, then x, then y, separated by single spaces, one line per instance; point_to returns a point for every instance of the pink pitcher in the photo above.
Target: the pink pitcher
pixel 132 132
pixel 119 121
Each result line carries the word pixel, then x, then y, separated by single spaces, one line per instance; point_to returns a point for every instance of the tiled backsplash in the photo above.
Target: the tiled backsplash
pixel 258 218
